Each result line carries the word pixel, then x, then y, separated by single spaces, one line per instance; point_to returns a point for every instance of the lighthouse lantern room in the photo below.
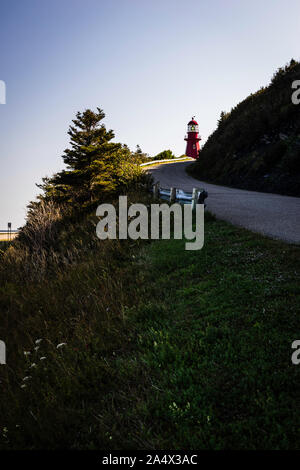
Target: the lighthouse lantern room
pixel 192 139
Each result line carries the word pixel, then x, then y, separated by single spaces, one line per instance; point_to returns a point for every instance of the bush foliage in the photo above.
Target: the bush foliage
pixel 164 155
pixel 257 144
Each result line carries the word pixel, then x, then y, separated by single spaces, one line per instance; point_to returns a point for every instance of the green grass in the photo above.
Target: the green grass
pixel 216 334
pixel 166 348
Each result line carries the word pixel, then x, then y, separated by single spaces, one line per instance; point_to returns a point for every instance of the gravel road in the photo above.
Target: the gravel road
pixel 270 214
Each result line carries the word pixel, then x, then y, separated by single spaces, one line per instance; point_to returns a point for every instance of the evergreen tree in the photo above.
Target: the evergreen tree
pixel 89 142
pixel 95 165
pixel 138 150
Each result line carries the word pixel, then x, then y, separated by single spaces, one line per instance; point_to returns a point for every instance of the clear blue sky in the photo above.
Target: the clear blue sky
pixel 150 64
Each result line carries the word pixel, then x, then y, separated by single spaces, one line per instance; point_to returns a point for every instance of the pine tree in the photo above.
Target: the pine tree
pixel 89 141
pixel 87 138
pixel 95 165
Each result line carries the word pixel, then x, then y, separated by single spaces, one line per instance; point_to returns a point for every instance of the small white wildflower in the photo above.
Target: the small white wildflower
pixel 32 365
pixel 28 377
pixel 26 353
pixel 36 348
pixel 42 358
pixel 60 345
pixel 38 341
pixel 23 386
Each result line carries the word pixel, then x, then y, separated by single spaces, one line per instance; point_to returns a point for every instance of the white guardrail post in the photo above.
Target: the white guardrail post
pixel 172 194
pixel 156 190
pixel 194 198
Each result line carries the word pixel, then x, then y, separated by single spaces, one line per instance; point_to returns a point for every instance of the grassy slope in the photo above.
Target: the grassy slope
pixel 166 348
pixel 218 327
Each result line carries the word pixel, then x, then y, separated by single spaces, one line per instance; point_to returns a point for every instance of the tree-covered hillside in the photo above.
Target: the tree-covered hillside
pixel 257 145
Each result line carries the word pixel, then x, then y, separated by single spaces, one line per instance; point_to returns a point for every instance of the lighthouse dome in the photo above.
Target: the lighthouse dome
pixel 193 125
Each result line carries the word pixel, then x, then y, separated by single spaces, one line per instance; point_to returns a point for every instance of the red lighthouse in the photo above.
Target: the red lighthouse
pixel 192 146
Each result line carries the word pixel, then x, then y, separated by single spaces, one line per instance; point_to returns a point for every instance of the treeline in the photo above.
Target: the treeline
pixel 165 155
pixel 97 170
pixel 257 144
pixel 95 166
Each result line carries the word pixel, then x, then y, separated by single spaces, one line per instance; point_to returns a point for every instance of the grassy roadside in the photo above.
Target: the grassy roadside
pixel 165 348
pixel 216 333
pixel 162 162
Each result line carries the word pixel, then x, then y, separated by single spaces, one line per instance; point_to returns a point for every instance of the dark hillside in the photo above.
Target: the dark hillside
pixel 256 146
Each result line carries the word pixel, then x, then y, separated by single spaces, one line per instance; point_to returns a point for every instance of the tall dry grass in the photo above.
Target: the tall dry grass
pixel 42 246
pixel 61 284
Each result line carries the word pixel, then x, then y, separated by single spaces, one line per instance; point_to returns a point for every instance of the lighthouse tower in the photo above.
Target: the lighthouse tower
pixel 192 139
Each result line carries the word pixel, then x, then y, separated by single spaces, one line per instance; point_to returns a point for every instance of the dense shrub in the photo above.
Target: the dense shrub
pixel 165 155
pixel 266 124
